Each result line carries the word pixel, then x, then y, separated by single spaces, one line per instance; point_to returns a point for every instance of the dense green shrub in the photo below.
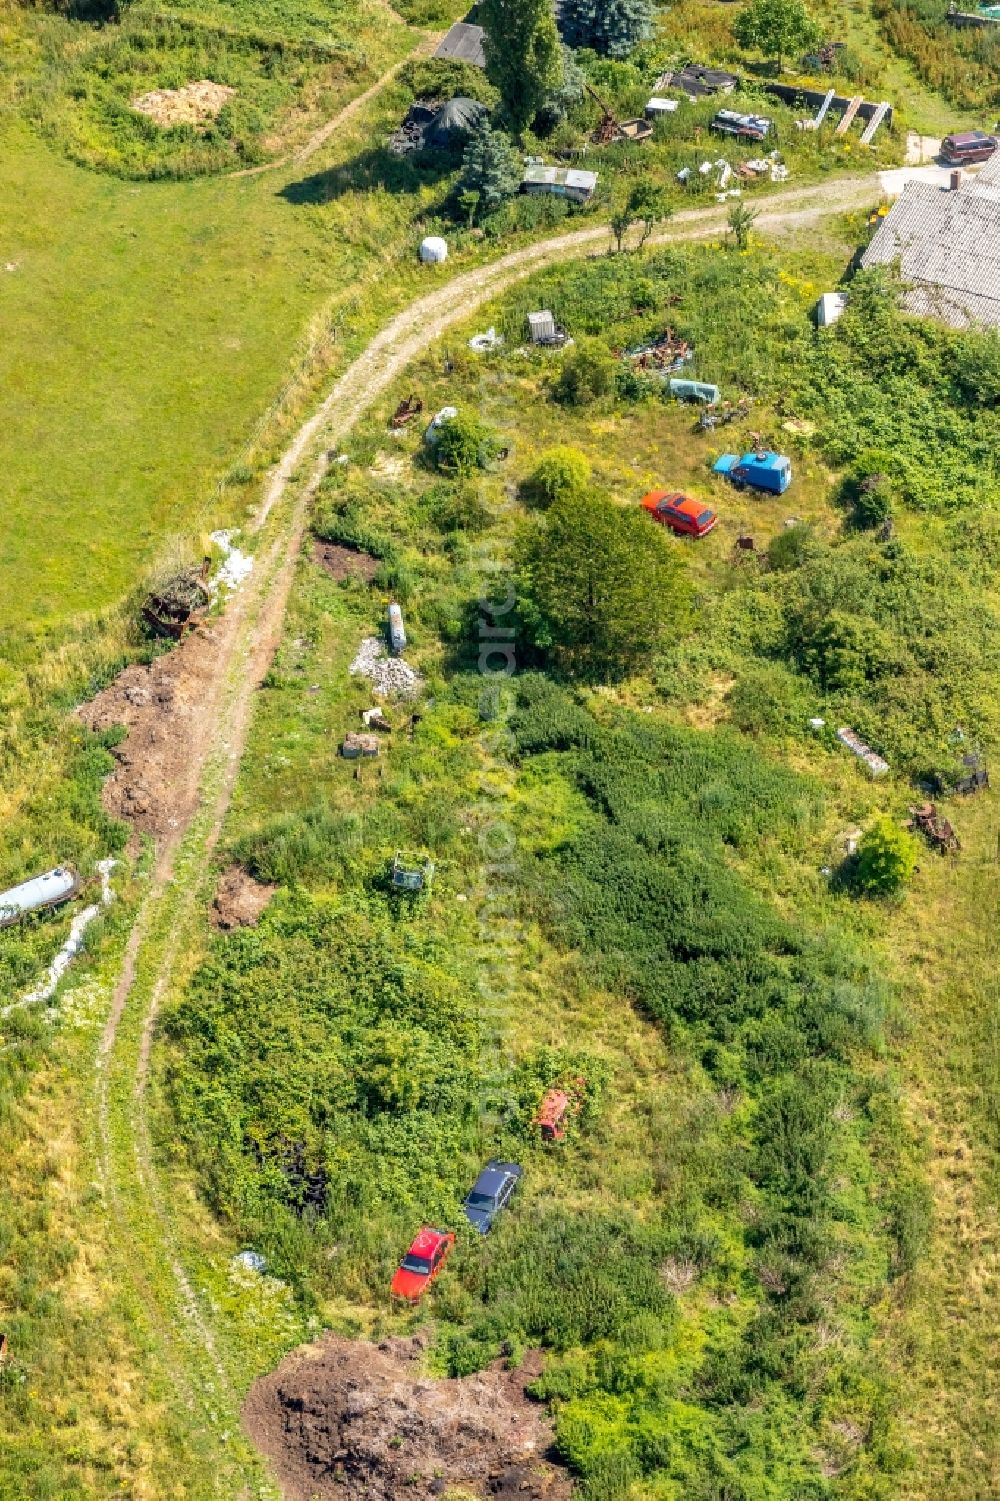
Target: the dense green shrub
pixel 887 858
pixel 464 444
pixel 587 373
pixel 561 473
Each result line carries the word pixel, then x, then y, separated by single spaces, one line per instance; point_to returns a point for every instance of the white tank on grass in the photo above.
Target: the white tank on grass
pixel 433 250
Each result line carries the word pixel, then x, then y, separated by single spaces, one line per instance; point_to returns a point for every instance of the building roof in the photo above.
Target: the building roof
pixel 948 248
pixel 569 177
pixel 697 82
pixel 463 44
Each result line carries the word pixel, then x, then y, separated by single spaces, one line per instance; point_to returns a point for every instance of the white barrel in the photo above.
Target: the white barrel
pixel 433 250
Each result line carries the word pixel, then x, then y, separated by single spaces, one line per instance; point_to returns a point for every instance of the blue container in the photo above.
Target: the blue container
pixel 762 471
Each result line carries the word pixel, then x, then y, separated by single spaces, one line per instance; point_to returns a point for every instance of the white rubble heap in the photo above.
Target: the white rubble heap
pixel 235 568
pixel 387 675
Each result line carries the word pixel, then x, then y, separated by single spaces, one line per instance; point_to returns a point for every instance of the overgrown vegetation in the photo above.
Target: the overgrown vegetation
pixel 716 1211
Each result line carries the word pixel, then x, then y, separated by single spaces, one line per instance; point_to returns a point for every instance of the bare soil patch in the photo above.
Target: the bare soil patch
pixel 194 104
pixel 344 562
pixel 344 1419
pixel 167 709
pixel 240 901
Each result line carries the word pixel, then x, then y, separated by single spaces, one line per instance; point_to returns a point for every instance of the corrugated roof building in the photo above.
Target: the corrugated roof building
pixel 948 248
pixel 463 44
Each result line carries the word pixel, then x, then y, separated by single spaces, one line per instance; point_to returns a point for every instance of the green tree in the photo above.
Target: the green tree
pixel 523 56
pixel 611 27
pixel 588 372
pixel 464 444
pixel 777 28
pixel 646 203
pixel 564 95
pixel 561 473
pixel 491 168
pixel 601 586
pixel 649 207
pixel 621 221
pixel 741 221
pixel 887 858
pixel 468 202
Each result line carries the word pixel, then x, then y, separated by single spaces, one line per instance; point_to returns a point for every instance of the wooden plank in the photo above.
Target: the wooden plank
pixel 847 120
pixel 868 135
pixel 823 108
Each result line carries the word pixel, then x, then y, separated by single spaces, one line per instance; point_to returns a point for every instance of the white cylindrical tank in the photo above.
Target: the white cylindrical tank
pixel 433 250
pixel 397 635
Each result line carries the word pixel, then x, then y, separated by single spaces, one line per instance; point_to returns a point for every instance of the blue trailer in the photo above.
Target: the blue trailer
pixel 762 470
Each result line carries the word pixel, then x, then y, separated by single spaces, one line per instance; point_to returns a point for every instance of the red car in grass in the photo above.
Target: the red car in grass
pixel 421 1264
pixel 680 512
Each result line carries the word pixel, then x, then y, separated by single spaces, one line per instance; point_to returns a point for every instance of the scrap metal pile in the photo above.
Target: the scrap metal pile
pixel 177 605
pixel 936 829
pixel 666 353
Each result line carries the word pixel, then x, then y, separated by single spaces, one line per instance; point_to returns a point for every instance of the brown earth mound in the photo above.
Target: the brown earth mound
pixel 194 104
pixel 240 900
pixel 343 1420
pixel 167 711
pixel 344 562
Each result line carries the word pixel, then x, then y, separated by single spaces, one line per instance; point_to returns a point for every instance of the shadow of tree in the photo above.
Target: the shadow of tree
pixel 376 168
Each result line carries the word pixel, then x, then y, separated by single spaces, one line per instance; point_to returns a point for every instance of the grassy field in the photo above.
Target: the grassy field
pixel 160 339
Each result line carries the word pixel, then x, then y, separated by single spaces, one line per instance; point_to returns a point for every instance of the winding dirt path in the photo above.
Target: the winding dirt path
pixel 246 638
pixel 322 134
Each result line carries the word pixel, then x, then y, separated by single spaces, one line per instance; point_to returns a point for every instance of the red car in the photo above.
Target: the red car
pixel 680 512
pixel 421 1264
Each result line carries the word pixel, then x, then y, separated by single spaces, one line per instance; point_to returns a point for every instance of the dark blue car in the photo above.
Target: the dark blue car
pixel 491 1192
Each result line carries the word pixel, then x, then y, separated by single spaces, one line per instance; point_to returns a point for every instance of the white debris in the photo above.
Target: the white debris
pixel 830 308
pixel 724 171
pixel 387 675
pixel 250 1261
pixel 684 174
pixel 705 168
pixel 483 343
pixel 235 568
pixel 875 763
pixel 72 946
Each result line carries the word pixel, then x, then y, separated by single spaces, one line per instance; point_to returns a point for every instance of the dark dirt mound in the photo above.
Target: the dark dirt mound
pixel 344 562
pixel 345 1420
pixel 240 900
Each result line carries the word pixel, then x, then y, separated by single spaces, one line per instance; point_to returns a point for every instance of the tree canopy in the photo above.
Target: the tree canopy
pixel 491 169
pixel 601 585
pixel 610 27
pixel 776 28
pixel 523 56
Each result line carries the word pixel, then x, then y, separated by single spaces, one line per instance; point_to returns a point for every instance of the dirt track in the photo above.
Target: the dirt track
pixel 217 678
